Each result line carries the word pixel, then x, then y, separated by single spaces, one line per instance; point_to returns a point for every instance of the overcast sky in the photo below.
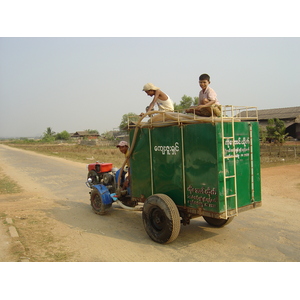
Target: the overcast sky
pixel 83 83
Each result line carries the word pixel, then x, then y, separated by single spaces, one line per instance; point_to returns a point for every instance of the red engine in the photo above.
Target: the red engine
pixel 100 167
pixel 99 171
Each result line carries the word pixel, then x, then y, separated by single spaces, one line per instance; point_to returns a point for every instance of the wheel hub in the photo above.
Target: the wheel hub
pixel 158 219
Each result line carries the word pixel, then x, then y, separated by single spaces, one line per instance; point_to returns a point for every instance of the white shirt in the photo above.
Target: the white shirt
pixel 165 104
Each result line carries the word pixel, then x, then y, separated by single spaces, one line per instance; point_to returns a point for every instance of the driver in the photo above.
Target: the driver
pixel 124 148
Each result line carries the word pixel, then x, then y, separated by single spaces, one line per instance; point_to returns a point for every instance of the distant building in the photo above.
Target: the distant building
pixel 84 134
pixel 289 115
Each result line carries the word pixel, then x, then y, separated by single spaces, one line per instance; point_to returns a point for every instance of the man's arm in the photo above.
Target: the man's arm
pixel 207 103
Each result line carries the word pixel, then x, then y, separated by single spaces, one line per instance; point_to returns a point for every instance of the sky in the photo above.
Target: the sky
pixel 73 83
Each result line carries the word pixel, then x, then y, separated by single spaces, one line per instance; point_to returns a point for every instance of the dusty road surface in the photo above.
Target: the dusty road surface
pixel 55 222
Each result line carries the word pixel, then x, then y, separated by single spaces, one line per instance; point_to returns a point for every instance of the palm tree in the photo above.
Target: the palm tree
pixel 49 132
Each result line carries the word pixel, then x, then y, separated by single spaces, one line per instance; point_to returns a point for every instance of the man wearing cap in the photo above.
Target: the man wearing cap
pixel 123 147
pixel 160 98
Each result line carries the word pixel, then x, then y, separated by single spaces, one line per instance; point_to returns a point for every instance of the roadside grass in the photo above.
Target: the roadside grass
pixel 8 185
pixel 77 153
pixel 44 245
pixel 267 162
pixel 2 216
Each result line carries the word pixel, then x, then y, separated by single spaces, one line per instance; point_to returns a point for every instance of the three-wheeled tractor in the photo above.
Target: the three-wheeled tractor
pixel 184 166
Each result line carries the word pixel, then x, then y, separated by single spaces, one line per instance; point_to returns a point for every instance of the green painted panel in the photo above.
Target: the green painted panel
pixel 156 163
pixel 243 150
pixel 167 162
pixel 256 160
pixel 201 166
pixel 192 173
pixel 140 165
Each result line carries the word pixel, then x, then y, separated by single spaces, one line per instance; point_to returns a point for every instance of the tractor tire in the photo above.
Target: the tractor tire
pixel 96 202
pixel 217 222
pixel 161 218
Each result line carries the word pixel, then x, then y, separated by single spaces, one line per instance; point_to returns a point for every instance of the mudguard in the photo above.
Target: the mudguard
pixel 104 192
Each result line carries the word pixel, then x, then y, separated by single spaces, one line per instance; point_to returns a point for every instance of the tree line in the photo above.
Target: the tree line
pixel 49 135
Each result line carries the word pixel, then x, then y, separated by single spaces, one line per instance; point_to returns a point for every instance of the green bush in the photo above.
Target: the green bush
pixel 64 135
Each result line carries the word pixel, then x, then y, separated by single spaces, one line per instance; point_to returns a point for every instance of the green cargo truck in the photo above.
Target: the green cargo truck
pixel 184 166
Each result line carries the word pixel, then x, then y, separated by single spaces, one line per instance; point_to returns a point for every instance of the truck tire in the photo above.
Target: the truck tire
pixel 217 222
pixel 161 218
pixel 97 204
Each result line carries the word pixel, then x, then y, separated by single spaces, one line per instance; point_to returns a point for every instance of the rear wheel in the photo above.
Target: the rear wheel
pixel 217 222
pixel 161 218
pixel 97 203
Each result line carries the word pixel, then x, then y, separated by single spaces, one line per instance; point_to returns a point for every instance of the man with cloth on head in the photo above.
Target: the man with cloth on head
pixel 162 100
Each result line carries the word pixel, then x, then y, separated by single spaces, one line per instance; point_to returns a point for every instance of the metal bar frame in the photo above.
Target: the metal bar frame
pixel 251 163
pixel 151 161
pixel 183 166
pixel 232 118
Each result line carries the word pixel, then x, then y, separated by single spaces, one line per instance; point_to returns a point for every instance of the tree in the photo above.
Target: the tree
pixel 92 131
pixel 48 135
pixel 64 135
pixel 108 135
pixel 262 134
pixel 186 102
pixel 49 132
pixel 276 130
pixel 124 122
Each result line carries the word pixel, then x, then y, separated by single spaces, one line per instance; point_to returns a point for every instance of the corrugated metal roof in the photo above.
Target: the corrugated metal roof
pixel 84 133
pixel 279 113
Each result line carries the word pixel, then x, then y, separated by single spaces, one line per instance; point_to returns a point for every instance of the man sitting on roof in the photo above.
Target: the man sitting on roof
pixel 161 99
pixel 208 101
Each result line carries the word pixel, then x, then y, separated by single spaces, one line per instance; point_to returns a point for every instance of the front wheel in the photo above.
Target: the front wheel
pixel 161 218
pixel 217 222
pixel 97 203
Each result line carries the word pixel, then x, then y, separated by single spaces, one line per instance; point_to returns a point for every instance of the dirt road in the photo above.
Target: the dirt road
pixel 55 222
